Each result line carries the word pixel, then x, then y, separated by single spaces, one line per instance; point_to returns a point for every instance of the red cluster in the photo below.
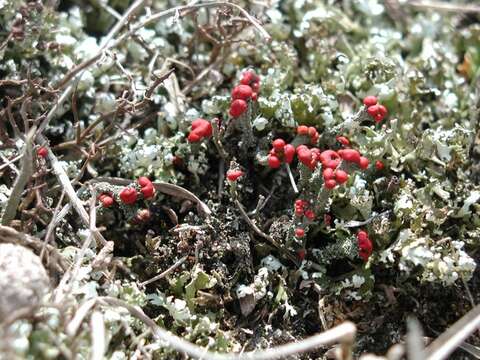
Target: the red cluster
pixel 309 131
pixel 146 187
pixel 106 199
pixel 333 177
pixel 365 245
pixel 129 194
pixel 343 140
pixel 233 175
pixel 302 209
pixel 280 152
pixel 354 156
pixel 375 110
pixel 201 128
pixel 308 157
pixel 42 152
pixel 379 165
pixel 247 90
pixel 300 233
pixel 142 215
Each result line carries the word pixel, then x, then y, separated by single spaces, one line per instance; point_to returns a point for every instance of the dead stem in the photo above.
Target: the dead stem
pixel 343 334
pixel 165 273
pixel 292 180
pixel 260 233
pixel 26 172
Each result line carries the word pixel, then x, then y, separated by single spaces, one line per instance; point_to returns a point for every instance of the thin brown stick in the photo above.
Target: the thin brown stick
pixel 166 272
pixel 260 233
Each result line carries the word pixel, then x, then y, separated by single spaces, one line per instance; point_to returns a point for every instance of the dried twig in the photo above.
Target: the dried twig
pixel 166 272
pixel 21 181
pixel 444 6
pixel 343 334
pixel 70 191
pixel 98 336
pixel 260 233
pixel 446 343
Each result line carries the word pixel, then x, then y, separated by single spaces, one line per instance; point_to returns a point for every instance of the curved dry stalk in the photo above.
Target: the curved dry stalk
pixel 343 334
pixel 446 343
pixel 166 188
pixel 444 6
pixel 260 233
pixel 165 273
pixel 21 181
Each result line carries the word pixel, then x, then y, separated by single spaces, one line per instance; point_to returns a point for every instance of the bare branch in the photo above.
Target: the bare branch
pixel 343 334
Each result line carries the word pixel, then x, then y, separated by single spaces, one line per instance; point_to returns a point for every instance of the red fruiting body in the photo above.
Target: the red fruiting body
pixel 363 163
pixel 379 165
pixel 243 92
pixel 148 191
pixel 233 175
pixel 300 202
pixel 310 215
pixel 201 128
pixel 377 111
pixel 274 162
pixel 313 133
pixel 247 77
pixel 365 245
pixel 343 140
pixel 332 164
pixel 341 176
pixel 350 155
pixel 327 219
pixel 330 159
pixel 362 235
pixel 238 107
pixel 42 152
pixel 328 174
pixel 128 195
pixel 256 86
pixel 305 156
pixel 278 144
pixel 144 181
pixel 143 215
pixel 254 96
pixel 373 110
pixel 289 153
pixel 299 232
pixel 147 188
pixel 301 254
pixel 177 161
pixel 106 200
pixel 302 130
pixel 330 184
pixel 382 110
pixel 370 101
